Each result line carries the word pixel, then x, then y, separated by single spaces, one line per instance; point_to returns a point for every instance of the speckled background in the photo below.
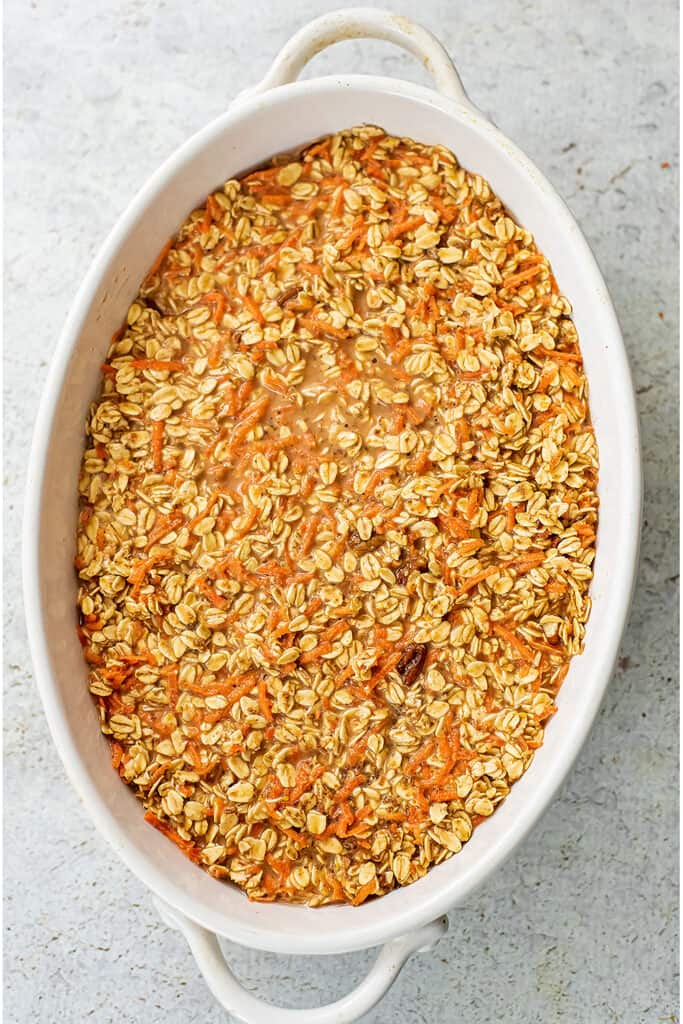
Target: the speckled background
pixel 580 924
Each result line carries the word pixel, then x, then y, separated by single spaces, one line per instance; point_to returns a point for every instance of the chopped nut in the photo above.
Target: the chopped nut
pixel 411 662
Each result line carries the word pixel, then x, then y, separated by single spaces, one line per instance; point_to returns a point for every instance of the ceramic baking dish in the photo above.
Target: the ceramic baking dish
pixel 278 115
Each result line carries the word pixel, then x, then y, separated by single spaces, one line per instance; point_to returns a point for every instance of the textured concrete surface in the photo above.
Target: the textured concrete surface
pixel 580 924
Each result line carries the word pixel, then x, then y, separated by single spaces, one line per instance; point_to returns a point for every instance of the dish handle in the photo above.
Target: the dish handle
pixel 363 23
pixel 248 1009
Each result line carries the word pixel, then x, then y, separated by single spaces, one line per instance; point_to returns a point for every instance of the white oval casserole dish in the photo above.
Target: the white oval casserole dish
pixel 281 115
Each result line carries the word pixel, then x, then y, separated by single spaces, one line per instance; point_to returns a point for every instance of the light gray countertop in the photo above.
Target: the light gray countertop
pixel 580 924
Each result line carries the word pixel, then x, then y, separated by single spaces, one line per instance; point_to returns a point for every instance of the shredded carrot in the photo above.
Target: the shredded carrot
pixel 158 261
pixel 550 374
pixel 294 835
pixel 522 277
pixel 510 637
pixel 195 758
pixel 456 526
pixel 273 569
pixel 250 518
pixel 421 801
pixel 209 213
pixel 280 630
pixel 241 691
pixel 309 536
pixel 448 739
pixel 420 755
pixel 392 815
pixel 360 827
pixel 345 820
pixel 420 464
pixel 316 654
pixel 219 303
pixel 141 568
pixel 158 445
pixel 342 611
pixel 538 645
pixel 188 848
pixel 320 150
pixel 444 795
pixel 345 674
pixel 338 205
pixel 307 484
pixel 567 357
pixel 275 199
pixel 92 622
pixel 332 632
pixel 157 774
pixel 353 236
pixel 243 394
pixel 369 889
pixel 383 671
pixel 475 580
pixel 273 260
pixel 164 524
pixel 347 789
pixel 282 865
pixel 316 326
pixel 410 224
pixel 214 357
pixel 254 309
pixel 264 702
pixel 214 597
pixel 305 779
pixel 376 478
pixel 173 686
pixel 449 212
pixel 213 500
pixel 232 687
pixel 528 561
pixel 473 502
pixel 248 419
pixel 337 892
pixel 313 606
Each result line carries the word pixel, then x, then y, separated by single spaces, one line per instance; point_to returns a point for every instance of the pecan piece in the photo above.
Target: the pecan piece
pixel 411 662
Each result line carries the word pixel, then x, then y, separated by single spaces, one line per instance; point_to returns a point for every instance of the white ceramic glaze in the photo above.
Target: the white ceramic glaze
pixel 272 118
pixel 242 1005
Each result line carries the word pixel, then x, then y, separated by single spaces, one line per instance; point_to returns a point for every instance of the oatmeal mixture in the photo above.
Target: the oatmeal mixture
pixel 337 520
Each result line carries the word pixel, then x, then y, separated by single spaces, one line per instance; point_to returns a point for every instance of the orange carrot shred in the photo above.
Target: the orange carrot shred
pixel 420 755
pixel 158 445
pixel 264 702
pixel 188 848
pixel 410 224
pixel 508 635
pixel 254 309
pixel 522 277
pixel 158 261
pixel 475 580
pixel 369 889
